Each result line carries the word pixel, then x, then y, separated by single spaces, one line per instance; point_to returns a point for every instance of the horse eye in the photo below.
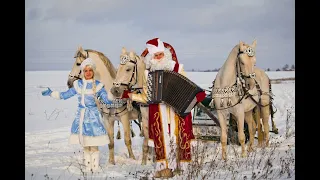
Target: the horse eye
pixel 78 64
pixel 128 70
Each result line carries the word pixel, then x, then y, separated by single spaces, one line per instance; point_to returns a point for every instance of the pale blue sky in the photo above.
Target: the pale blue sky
pixel 202 32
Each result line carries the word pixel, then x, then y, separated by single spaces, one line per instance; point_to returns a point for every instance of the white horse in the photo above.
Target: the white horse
pixel 237 89
pixel 105 72
pixel 130 77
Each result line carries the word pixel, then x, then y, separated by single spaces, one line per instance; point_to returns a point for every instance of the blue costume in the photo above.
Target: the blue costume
pixel 87 127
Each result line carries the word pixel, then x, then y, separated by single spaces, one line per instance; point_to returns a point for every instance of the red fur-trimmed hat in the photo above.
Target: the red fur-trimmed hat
pixel 155 45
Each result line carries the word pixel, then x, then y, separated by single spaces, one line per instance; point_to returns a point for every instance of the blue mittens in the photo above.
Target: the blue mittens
pixel 46 92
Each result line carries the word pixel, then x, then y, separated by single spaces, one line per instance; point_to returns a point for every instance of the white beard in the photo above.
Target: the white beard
pixel 164 63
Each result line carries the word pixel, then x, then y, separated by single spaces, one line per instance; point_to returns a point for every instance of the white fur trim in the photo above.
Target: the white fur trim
pixel 99 86
pixel 82 93
pixel 82 111
pixel 90 140
pixel 89 62
pixel 86 91
pixel 55 94
pixel 154 49
pixel 173 63
pixel 193 143
pixel 87 80
pixel 180 68
pixel 151 143
pixel 76 86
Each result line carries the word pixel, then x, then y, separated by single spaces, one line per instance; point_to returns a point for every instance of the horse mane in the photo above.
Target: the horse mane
pixel 106 62
pixel 232 55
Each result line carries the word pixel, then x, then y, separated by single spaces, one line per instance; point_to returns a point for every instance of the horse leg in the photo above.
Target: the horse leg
pixel 109 123
pixel 249 119
pixel 223 137
pixel 126 129
pixel 241 136
pixel 265 119
pixel 144 118
pixel 257 117
pixel 141 122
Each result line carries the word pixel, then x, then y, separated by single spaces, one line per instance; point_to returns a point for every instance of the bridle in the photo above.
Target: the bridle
pixel 250 52
pixel 79 55
pixel 228 92
pixel 123 60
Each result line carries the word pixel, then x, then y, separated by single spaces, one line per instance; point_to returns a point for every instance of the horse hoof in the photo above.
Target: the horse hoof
pixel 267 144
pixel 250 149
pixel 132 157
pixel 224 157
pixel 244 154
pixel 112 162
pixel 276 131
pixel 157 174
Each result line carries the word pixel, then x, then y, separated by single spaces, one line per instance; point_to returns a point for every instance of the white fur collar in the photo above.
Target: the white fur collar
pixel 87 81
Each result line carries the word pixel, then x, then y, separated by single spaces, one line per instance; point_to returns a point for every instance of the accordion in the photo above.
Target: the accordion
pixel 174 89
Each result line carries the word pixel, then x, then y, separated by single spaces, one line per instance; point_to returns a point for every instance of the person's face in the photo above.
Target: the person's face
pixel 158 55
pixel 88 73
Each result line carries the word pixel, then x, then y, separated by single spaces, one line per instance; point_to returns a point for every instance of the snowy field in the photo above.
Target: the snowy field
pixel 48 122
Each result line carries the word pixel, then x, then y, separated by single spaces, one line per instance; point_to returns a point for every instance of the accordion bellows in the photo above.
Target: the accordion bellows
pixel 174 89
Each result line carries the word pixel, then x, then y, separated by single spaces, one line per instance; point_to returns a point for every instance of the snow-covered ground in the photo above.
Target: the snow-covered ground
pixel 48 122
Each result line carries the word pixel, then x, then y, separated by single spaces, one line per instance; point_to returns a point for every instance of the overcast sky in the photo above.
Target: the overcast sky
pixel 202 32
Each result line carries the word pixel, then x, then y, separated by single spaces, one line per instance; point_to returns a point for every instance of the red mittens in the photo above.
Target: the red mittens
pixel 125 94
pixel 200 96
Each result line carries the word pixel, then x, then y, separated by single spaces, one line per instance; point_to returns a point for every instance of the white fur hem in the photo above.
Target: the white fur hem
pixel 193 143
pixel 90 140
pixel 150 143
pixel 180 68
pixel 55 94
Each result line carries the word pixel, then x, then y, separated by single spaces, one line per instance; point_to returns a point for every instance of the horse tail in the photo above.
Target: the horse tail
pixel 271 104
pixel 138 123
pixel 272 112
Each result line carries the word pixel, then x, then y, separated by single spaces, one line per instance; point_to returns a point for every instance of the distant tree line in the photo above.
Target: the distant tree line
pixel 284 68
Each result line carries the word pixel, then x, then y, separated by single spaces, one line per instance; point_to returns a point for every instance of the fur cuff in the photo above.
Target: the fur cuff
pixel 55 95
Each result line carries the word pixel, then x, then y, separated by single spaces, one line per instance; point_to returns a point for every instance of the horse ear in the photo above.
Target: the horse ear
pixel 241 45
pixel 80 47
pixel 254 43
pixel 123 51
pixel 131 55
pixel 81 50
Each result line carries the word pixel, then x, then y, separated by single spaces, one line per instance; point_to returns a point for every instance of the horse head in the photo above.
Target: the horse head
pixel 75 73
pixel 127 76
pixel 247 62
